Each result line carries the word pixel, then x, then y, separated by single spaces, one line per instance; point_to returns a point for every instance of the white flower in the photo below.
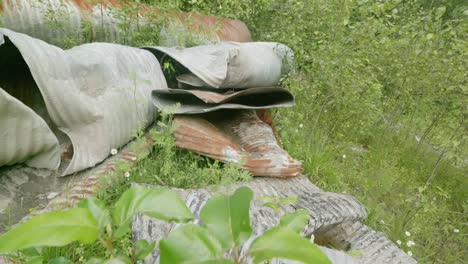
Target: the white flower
pixel 344 156
pixel 127 174
pixel 410 243
pixel 381 221
pixel 407 233
pixel 301 125
pixel 456 230
pixel 398 242
pixel 410 253
pixel 113 152
pixel 134 158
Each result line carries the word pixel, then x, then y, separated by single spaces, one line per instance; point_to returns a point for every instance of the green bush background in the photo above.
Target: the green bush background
pixel 381 96
pixel 381 111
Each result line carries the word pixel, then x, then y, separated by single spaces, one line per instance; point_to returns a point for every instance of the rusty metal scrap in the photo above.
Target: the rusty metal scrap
pixel 236 136
pixel 98 91
pixel 202 101
pixel 80 21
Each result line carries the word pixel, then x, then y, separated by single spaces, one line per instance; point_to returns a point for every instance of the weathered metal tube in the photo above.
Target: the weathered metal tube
pixel 71 22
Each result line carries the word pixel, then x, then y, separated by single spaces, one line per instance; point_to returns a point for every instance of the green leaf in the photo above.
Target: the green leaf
pixel 34 260
pixel 191 244
pixel 52 229
pixel 295 221
pixel 32 251
pixel 288 200
pixel 273 206
pixel 143 248
pixel 227 217
pixel 281 242
pixel 60 260
pixel 98 209
pixel 159 203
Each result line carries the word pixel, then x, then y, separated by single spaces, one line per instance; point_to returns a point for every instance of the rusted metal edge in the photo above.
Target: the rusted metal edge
pixel 102 175
pixel 32 17
pixel 201 101
pixel 236 136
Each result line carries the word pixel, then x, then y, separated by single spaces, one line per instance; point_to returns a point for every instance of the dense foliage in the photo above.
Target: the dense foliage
pixel 381 107
pixel 221 237
pixel 381 111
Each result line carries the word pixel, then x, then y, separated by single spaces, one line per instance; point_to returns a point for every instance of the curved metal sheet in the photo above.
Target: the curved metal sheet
pixel 61 22
pixel 25 136
pixel 236 136
pixel 232 64
pixel 179 101
pixel 97 94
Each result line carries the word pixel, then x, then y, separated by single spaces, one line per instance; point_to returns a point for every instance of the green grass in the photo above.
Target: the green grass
pixel 371 77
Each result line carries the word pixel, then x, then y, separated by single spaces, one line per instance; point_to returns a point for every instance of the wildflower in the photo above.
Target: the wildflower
pixel 127 174
pixel 312 238
pixel 398 242
pixel 381 221
pixel 410 243
pixel 456 230
pixel 344 156
pixel 301 125
pixel 410 253
pixel 133 158
pixel 113 152
pixel 407 233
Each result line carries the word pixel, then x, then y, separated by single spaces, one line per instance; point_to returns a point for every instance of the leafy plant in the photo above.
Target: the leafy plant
pixel 225 230
pixel 92 221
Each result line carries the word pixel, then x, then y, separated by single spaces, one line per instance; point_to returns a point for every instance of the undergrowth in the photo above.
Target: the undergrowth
pixel 381 111
pixel 165 165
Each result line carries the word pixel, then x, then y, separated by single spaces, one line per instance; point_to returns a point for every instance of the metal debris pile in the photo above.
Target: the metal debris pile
pixel 228 77
pixel 67 109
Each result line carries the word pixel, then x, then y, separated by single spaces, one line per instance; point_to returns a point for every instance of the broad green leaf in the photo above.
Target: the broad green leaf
pixel 159 203
pixel 284 243
pixel 143 248
pixel 295 221
pixel 60 260
pixel 52 229
pixel 227 217
pixel 191 244
pixel 98 209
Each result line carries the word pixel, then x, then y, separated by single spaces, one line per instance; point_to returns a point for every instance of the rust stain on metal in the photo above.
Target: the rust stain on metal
pixel 90 184
pixel 215 28
pixel 236 136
